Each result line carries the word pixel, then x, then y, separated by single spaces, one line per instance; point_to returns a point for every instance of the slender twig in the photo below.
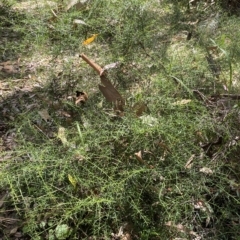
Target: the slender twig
pixel 94 65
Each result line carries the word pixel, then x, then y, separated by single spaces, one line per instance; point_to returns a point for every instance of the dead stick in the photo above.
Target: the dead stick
pixel 232 96
pixel 94 65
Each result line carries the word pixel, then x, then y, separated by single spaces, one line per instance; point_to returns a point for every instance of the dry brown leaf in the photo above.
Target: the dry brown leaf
pixel 189 163
pixel 212 48
pixel 45 115
pixel 199 205
pixel 8 220
pixel 200 136
pixel 78 22
pixel 4 86
pixel 206 170
pixel 225 87
pixel 64 114
pixel 180 239
pixel 180 228
pixel 118 107
pixel 193 23
pixel 27 89
pixel 54 14
pixel 81 97
pixel 13 231
pixel 126 236
pixel 18 235
pixel 9 140
pixel 109 66
pixel 10 67
pixel 139 157
pixel 122 235
pixel 235 186
pixel 78 157
pixel 77 4
pixel 139 108
pixel 164 146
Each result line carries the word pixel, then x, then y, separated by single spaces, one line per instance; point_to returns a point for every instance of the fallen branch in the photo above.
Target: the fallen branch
pixel 232 96
pixel 94 65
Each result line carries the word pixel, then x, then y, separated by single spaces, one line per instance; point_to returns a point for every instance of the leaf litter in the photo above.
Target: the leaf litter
pixel 81 97
pixel 45 115
pixel 206 170
pixel 10 67
pixel 182 229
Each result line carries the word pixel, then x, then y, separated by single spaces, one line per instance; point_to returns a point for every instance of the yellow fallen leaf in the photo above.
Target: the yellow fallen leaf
pixel 206 170
pixel 72 180
pixel 182 102
pixel 61 135
pixel 89 40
